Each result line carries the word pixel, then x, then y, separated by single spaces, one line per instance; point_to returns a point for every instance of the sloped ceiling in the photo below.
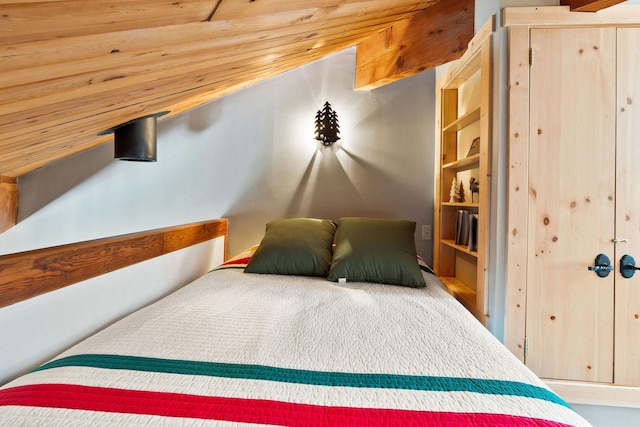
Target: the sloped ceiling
pixel 70 69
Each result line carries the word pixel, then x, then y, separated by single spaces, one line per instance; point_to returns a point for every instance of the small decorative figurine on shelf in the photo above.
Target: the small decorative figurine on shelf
pixel 474 186
pixel 453 193
pixel 461 193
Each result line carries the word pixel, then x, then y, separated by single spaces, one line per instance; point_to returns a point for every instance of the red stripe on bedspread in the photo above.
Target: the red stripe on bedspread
pixel 241 410
pixel 235 262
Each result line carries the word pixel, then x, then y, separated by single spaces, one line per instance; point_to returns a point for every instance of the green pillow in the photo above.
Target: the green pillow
pixel 376 250
pixel 297 246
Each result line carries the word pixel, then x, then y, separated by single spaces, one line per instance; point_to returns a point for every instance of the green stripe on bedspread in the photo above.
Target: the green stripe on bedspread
pixel 299 376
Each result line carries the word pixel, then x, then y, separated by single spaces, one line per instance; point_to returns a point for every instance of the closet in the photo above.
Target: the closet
pixel 572 301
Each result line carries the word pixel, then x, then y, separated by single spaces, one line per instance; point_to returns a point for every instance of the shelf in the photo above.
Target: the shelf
pixel 464 111
pixel 462 248
pixel 463 121
pixel 460 291
pixel 471 162
pixel 461 204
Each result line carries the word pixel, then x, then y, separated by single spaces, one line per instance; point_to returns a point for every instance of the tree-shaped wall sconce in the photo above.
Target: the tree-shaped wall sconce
pixel 327 127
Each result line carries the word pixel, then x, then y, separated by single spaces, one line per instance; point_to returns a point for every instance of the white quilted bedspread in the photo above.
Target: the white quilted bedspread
pixel 245 348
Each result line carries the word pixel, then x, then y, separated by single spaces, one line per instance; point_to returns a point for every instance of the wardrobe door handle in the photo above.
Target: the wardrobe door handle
pixel 628 266
pixel 602 266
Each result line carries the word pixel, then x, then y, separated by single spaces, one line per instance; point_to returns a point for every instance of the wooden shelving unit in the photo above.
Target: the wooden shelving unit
pixel 464 114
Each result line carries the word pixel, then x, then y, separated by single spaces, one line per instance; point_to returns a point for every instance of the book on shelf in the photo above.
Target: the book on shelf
pixel 467 229
pixel 462 227
pixel 472 245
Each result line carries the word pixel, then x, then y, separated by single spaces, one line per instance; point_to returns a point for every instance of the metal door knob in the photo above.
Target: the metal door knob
pixel 602 266
pixel 628 266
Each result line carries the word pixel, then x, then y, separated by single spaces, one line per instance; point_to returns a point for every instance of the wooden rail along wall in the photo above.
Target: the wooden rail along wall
pixel 28 274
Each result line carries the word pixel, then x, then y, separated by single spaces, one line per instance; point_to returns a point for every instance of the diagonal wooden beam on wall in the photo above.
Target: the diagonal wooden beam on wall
pixel 429 38
pixel 589 5
pixel 8 202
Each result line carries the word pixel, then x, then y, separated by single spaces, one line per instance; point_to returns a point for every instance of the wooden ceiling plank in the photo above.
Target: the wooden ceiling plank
pixel 323 16
pixel 234 9
pixel 146 85
pixel 3 2
pixel 425 40
pixel 187 82
pixel 39 22
pixel 33 54
pixel 589 5
pixel 25 22
pixel 117 73
pixel 116 62
pixel 254 46
pixel 41 157
pixel 268 69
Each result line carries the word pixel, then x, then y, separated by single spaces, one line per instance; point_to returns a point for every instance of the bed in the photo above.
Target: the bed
pixel 288 347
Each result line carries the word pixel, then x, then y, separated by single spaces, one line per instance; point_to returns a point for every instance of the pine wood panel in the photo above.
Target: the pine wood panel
pixel 185 37
pixel 520 22
pixel 98 80
pixel 23 22
pixel 427 39
pixel 518 196
pixel 554 16
pixel 120 61
pixel 444 257
pixel 28 274
pixel 56 122
pixel 233 9
pixel 484 175
pixel 596 394
pixel 627 300
pixel 569 324
pixel 466 81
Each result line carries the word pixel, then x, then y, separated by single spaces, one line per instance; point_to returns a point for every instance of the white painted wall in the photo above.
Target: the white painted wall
pixel 249 157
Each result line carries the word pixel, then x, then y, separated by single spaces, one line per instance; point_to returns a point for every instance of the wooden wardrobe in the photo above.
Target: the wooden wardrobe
pixel 574 200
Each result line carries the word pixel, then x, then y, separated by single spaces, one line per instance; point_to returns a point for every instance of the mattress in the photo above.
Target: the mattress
pixel 235 348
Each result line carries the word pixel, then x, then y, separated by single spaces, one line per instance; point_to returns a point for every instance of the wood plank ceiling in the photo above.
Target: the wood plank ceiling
pixel 70 69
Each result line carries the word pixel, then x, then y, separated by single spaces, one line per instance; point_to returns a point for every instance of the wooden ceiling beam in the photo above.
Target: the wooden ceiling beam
pixel 425 40
pixel 589 5
pixel 8 202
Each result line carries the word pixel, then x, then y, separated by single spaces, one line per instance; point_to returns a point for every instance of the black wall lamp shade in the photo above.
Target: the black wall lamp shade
pixel 135 140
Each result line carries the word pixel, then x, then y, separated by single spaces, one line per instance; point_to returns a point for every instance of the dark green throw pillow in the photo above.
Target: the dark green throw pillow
pixel 376 250
pixel 295 246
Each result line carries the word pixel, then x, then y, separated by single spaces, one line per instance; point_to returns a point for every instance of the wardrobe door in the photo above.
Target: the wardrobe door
pixel 569 318
pixel 627 350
